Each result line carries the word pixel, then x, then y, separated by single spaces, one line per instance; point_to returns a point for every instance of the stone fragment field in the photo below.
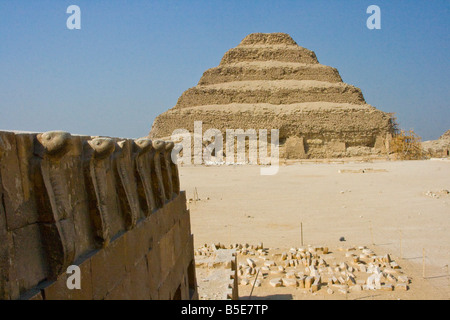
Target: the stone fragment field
pixel 308 272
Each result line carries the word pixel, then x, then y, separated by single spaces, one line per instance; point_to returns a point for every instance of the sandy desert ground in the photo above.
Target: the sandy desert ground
pixel 396 207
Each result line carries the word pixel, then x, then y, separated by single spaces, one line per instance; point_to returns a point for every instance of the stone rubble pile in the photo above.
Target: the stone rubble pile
pixel 350 269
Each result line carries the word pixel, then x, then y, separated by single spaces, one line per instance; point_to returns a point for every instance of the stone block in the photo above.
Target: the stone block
pixel 387 287
pixel 316 285
pixel 402 286
pixel 334 279
pixel 269 263
pixel 289 282
pixel 167 253
pixel 251 263
pixel 295 148
pixel 343 291
pixel 374 281
pixel 58 240
pixel 308 282
pixel 58 290
pixel 356 288
pixel 301 282
pixel 139 241
pixel 404 279
pixel 29 263
pixel 140 281
pixel 290 275
pixel 351 281
pixel 154 270
pixel 122 290
pixel 336 146
pixel 276 282
pixel 15 169
pixel 108 267
pixel 5 254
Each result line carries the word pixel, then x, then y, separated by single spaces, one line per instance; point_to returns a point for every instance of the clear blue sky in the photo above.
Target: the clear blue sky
pixel 131 60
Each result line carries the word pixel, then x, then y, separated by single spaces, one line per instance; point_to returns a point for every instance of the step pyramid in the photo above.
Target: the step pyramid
pixel 270 82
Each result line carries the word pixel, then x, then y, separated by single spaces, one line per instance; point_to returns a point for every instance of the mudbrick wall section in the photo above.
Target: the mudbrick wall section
pixel 113 207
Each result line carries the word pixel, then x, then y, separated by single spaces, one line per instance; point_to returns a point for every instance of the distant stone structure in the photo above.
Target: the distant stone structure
pixel 269 82
pixel 439 148
pixel 113 207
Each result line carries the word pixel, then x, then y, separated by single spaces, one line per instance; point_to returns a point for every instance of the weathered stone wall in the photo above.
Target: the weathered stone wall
pixel 111 206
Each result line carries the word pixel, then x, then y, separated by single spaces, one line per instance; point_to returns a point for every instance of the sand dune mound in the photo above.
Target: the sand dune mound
pixel 270 82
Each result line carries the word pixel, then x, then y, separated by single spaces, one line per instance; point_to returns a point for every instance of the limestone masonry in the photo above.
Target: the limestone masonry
pixel 269 82
pixel 440 147
pixel 113 207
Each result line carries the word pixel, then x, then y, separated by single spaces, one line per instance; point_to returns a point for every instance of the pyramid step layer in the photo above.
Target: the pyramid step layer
pixel 269 70
pixel 355 124
pixel 273 92
pixel 269 53
pixel 268 39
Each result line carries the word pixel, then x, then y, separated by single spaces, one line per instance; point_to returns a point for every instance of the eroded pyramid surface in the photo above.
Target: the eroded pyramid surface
pixel 270 82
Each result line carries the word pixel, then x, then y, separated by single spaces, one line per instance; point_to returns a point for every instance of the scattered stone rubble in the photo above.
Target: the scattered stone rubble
pixel 219 280
pixel 191 200
pixel 312 268
pixel 365 170
pixel 437 194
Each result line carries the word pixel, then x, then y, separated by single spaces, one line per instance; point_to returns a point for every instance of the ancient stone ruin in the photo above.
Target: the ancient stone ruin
pixel 439 148
pixel 352 270
pixel 112 207
pixel 270 82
